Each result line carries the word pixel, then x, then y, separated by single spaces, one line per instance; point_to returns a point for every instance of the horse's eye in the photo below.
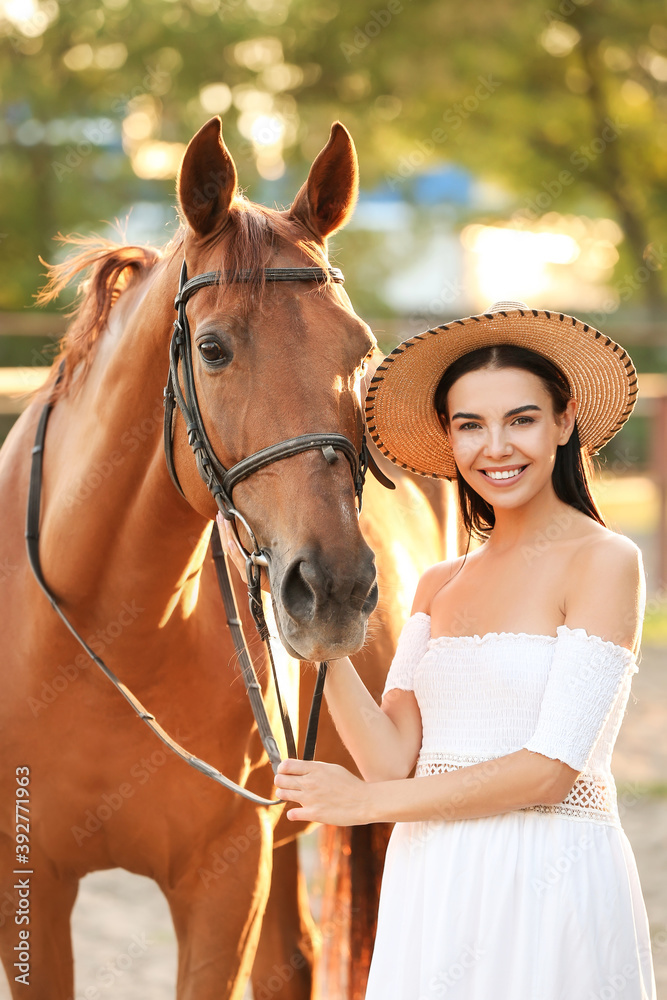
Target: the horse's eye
pixel 211 350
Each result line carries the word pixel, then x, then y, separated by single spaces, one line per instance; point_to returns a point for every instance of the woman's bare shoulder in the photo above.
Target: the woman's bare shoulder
pixel 605 587
pixel 601 551
pixel 432 581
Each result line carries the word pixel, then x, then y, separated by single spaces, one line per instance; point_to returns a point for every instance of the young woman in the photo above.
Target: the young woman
pixel 508 874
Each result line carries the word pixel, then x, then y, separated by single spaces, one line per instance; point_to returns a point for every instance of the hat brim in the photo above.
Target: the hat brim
pixel 400 410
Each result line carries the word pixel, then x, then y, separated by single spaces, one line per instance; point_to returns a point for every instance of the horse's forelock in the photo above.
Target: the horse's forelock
pixel 256 233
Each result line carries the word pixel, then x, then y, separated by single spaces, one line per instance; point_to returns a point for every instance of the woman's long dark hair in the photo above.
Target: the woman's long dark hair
pixel 572 467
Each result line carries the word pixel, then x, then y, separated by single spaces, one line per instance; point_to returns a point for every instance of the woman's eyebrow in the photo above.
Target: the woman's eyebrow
pixel 510 413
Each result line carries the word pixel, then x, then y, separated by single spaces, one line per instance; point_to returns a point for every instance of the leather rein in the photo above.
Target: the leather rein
pixel 220 482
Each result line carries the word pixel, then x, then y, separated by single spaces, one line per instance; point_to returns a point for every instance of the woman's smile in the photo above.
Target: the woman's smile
pixel 505 475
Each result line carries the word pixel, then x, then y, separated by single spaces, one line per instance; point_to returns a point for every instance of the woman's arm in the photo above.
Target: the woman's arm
pixel 604 598
pixel 491 787
pixel 606 595
pixel 384 741
pixel 330 794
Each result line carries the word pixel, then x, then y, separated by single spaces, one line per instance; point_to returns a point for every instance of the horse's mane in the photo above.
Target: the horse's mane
pixel 110 268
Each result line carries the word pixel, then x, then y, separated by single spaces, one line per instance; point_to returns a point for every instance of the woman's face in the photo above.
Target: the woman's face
pixel 504 433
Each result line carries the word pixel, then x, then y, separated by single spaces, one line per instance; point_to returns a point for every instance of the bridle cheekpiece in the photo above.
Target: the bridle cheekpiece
pixel 219 480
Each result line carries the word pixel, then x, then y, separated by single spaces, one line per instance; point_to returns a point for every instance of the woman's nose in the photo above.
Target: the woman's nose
pixel 498 444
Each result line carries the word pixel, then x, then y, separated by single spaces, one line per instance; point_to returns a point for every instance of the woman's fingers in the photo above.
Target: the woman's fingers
pixel 289 780
pixel 287 795
pixel 227 534
pixel 286 781
pixel 298 814
pixel 325 793
pixel 235 552
pixel 290 765
pixel 229 543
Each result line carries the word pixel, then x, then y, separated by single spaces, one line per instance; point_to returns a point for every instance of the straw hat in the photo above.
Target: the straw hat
pixel 400 411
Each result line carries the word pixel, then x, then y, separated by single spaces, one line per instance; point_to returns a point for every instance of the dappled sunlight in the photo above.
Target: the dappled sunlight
pixel 186 592
pixel 158 159
pixel 215 98
pixel 407 573
pixel 288 670
pixel 30 17
pixel 557 258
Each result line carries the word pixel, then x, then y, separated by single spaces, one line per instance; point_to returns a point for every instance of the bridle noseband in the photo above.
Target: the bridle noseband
pixel 221 483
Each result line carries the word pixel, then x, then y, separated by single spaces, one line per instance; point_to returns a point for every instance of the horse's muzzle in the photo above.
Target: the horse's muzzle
pixel 321 609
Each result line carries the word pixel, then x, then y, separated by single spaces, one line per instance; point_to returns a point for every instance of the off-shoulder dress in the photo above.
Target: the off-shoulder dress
pixel 539 903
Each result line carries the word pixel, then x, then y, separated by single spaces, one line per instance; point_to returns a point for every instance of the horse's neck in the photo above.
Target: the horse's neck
pixel 114 526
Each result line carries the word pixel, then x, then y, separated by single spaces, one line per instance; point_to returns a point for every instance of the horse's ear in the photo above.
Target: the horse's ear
pixel 207 180
pixel 327 199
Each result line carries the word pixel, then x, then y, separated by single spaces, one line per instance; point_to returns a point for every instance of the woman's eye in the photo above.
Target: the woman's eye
pixel 211 350
pixel 528 420
pixel 463 427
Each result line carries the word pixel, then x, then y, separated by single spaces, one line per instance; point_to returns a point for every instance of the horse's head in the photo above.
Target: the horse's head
pixel 273 361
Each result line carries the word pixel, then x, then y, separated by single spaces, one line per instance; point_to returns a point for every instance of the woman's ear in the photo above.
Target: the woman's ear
pixel 566 421
pixel 443 422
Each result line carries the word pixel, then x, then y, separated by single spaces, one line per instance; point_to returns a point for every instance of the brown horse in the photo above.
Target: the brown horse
pixel 126 556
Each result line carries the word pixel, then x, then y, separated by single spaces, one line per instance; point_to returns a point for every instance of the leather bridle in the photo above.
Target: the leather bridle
pixel 221 483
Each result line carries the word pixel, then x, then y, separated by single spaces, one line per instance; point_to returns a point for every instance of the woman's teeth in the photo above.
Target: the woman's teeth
pixel 506 474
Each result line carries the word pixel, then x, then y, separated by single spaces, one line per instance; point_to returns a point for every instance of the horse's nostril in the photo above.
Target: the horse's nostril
pixel 311 589
pixel 297 595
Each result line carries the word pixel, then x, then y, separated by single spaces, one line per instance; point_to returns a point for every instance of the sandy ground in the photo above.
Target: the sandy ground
pixel 123 938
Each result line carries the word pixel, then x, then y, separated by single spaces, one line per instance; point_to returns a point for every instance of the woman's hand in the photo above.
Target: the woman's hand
pixel 327 793
pixel 231 546
pixel 229 543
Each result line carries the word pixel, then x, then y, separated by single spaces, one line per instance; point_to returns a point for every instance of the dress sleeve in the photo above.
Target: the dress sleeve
pixel 585 681
pixel 412 645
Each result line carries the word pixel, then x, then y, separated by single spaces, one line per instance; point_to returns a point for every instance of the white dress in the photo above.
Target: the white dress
pixel 541 903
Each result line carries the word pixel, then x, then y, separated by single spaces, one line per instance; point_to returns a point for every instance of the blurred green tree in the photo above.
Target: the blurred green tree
pixel 561 103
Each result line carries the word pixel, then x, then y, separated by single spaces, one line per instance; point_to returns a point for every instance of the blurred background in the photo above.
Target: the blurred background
pixel 507 150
